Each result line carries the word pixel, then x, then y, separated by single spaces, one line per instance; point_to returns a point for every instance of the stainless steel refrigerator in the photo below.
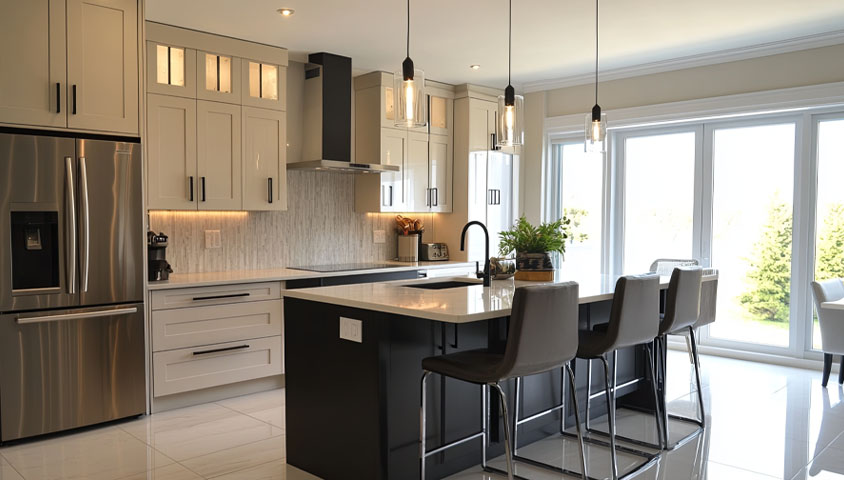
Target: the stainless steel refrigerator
pixel 71 283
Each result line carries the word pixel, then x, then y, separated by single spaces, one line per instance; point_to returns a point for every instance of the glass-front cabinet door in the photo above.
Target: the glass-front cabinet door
pixel 171 70
pixel 217 78
pixel 265 85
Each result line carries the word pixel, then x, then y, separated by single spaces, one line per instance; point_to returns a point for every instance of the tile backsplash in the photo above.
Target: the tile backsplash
pixel 319 227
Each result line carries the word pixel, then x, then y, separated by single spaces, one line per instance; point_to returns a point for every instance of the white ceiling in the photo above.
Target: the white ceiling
pixel 552 39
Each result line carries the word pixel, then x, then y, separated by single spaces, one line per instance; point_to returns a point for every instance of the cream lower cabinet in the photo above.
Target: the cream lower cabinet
pixel 212 336
pixel 102 65
pixel 218 146
pixel 171 152
pixel 264 159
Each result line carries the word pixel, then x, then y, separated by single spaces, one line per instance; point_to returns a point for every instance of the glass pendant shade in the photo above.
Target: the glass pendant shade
pixel 411 103
pixel 596 131
pixel 510 130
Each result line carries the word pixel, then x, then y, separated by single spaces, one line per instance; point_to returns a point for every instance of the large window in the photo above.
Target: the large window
pixel 756 196
pixel 752 207
pixel 659 179
pixel 579 196
pixel 829 230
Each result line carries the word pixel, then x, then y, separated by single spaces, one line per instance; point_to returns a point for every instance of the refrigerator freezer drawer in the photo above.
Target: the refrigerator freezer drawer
pixel 70 368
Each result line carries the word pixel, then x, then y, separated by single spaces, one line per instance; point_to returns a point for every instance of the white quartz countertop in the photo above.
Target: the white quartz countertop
pixel 186 280
pixel 452 305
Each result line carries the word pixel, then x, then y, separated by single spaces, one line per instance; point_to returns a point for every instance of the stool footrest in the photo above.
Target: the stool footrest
pixel 453 444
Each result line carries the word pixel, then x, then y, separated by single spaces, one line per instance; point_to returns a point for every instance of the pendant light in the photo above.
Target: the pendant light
pixel 596 122
pixel 409 85
pixel 511 107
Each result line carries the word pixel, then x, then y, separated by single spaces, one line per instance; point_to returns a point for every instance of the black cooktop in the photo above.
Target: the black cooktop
pixel 344 267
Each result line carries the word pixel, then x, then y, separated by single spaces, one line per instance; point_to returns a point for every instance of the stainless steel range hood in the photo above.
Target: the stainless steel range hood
pixel 328 118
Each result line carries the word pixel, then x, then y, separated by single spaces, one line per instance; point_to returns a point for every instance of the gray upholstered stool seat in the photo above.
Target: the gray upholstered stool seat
pixel 542 336
pixel 473 366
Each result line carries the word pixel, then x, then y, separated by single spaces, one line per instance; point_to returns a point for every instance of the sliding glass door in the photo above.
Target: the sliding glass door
pixel 752 205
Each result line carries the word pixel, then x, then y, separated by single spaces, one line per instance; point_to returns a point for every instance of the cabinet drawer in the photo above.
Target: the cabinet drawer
pixel 216 295
pixel 180 328
pixel 189 369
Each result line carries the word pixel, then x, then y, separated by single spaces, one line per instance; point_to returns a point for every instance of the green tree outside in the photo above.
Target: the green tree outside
pixel 769 276
pixel 830 255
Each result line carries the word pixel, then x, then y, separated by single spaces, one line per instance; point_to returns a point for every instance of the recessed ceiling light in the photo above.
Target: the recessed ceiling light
pixel 286 12
pixel 475 67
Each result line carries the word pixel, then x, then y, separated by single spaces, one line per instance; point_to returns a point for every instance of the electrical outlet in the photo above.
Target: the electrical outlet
pixel 213 239
pixel 379 236
pixel 351 329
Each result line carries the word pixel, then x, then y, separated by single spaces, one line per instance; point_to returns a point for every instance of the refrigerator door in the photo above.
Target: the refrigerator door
pixel 70 368
pixel 111 235
pixel 38 227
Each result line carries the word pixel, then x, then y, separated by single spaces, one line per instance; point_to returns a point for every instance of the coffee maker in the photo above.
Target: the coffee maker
pixel 158 268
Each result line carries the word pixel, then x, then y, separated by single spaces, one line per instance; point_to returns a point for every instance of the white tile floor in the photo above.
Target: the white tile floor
pixel 765 422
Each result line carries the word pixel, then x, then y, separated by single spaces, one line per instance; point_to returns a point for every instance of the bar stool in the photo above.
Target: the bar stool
pixel 634 320
pixel 542 336
pixel 682 310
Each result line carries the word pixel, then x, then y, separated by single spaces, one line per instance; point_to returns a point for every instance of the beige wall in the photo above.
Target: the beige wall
pixel 808 67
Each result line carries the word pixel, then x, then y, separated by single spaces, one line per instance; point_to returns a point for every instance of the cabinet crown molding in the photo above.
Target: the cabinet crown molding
pixel 207 42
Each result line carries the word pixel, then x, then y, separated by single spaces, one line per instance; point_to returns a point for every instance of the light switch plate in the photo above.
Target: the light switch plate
pixel 351 329
pixel 213 239
pixel 379 236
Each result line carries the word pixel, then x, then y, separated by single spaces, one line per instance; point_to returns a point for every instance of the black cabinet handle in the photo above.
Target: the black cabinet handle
pixel 217 297
pixel 391 195
pixel 58 97
pixel 454 345
pixel 218 350
pixel 191 187
pixel 436 197
pixel 492 147
pixel 73 109
pixel 270 190
pixel 203 189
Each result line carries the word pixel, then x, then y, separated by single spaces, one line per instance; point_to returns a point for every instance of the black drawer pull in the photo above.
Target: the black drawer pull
pixel 218 350
pixel 215 297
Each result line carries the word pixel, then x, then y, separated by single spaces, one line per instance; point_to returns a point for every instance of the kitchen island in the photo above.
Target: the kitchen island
pixel 353 365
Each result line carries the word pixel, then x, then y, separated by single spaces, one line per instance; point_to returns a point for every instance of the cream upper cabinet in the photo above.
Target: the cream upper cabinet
pixel 441 166
pixel 264 85
pixel 32 63
pixel 394 151
pixel 264 159
pixel 102 65
pixel 171 70
pixel 171 152
pixel 481 125
pixel 218 77
pixel 417 193
pixel 388 107
pixel 218 147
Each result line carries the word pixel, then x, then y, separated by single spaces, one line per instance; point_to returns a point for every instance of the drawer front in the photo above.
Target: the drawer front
pixel 189 327
pixel 216 295
pixel 188 369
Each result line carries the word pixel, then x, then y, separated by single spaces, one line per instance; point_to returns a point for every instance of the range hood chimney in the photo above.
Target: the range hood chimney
pixel 328 118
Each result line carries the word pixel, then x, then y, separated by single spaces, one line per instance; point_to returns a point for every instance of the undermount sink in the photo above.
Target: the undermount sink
pixel 444 285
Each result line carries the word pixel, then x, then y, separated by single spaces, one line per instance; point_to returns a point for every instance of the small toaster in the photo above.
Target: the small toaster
pixel 433 251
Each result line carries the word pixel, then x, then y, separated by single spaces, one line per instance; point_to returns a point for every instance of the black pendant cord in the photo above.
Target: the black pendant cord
pixel 596 52
pixel 408 29
pixel 510 44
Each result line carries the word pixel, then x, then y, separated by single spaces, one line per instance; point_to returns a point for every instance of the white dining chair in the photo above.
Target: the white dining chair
pixel 832 324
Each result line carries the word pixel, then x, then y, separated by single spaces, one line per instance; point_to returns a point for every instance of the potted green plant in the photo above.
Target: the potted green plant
pixel 534 245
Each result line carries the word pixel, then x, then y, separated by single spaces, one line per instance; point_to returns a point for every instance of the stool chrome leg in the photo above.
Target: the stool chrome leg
pixel 697 377
pixel 573 390
pixel 484 423
pixel 657 416
pixel 610 396
pixel 507 441
pixel 588 391
pixel 516 403
pixel 422 433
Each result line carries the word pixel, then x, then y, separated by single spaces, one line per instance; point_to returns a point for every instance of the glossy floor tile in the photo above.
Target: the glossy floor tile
pixel 763 422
